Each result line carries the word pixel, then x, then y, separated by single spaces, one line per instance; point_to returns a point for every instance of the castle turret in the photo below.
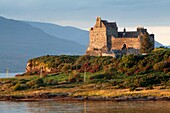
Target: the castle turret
pixel 98 38
pixel 141 30
pixel 98 22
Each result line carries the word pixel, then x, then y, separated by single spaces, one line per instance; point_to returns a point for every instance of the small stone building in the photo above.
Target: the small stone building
pixel 105 40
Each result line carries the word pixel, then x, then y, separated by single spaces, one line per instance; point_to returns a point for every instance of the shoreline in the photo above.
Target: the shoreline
pixel 87 93
pixel 46 97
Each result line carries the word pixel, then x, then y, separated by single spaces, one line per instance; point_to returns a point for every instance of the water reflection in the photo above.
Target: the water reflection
pixel 85 107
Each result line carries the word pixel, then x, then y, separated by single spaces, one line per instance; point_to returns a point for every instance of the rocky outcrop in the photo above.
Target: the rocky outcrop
pixel 37 67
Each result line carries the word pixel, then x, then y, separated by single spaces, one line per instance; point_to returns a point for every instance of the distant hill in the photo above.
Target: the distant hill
pixel 64 32
pixel 69 33
pixel 20 41
pixel 157 44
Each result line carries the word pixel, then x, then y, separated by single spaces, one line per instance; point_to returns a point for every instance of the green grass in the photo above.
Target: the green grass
pixel 128 72
pixel 28 77
pixel 60 78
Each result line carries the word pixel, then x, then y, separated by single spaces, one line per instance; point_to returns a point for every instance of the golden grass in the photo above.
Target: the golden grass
pixel 90 90
pixel 124 92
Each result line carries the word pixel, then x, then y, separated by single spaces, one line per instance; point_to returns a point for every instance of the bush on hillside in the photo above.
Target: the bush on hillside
pixel 36 83
pixel 66 68
pixel 75 77
pixel 19 86
pixel 160 66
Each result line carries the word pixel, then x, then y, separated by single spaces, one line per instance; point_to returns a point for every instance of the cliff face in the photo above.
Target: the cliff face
pixel 49 64
pixel 128 65
pixel 36 67
pixel 118 43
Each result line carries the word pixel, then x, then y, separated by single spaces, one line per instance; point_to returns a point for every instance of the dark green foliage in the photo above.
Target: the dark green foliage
pixel 146 44
pixel 101 76
pixel 36 83
pixel 146 80
pixel 66 68
pixel 130 71
pixel 149 87
pixel 19 86
pixel 49 82
pixel 133 88
pixel 160 66
pixel 76 77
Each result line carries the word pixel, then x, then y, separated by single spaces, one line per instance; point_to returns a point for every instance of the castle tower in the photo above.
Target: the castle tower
pixel 100 36
pixel 105 39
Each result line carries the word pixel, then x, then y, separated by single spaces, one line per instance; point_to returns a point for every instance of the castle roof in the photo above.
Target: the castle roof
pixel 109 24
pixel 128 34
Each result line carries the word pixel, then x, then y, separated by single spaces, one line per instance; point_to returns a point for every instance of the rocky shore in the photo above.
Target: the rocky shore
pixel 66 97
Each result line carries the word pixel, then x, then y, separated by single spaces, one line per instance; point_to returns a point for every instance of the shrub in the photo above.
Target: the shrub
pixel 72 79
pixel 50 82
pixel 149 87
pixel 166 70
pixel 159 66
pixel 36 83
pixel 168 83
pixel 66 68
pixel 19 86
pixel 101 76
pixel 76 77
pixel 132 88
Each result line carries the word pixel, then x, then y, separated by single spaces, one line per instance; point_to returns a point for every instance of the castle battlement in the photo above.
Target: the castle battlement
pixel 105 37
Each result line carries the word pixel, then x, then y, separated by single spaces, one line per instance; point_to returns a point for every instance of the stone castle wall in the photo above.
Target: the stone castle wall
pixel 98 38
pixel 111 31
pixel 105 38
pixel 118 43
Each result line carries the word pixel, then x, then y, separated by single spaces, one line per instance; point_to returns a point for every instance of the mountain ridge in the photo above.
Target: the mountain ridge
pixel 20 41
pixel 85 42
pixel 64 32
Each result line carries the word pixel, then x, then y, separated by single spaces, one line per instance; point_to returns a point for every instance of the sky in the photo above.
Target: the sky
pixel 152 14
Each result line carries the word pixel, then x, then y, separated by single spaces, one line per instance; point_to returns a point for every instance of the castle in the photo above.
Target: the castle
pixel 105 40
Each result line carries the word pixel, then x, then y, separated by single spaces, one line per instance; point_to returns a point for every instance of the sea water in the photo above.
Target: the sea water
pixel 4 75
pixel 85 107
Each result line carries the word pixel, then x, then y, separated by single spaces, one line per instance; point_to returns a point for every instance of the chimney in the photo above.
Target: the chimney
pixel 124 30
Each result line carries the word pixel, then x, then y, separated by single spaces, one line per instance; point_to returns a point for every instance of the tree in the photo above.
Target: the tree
pixel 66 68
pixel 146 44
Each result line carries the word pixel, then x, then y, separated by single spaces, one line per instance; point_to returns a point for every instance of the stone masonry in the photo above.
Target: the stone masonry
pixel 105 40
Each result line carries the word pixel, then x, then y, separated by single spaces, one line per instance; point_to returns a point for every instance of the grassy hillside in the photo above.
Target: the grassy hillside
pixel 76 76
pixel 128 71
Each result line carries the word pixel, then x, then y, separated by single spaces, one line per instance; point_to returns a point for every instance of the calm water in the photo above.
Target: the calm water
pixel 3 75
pixel 84 107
